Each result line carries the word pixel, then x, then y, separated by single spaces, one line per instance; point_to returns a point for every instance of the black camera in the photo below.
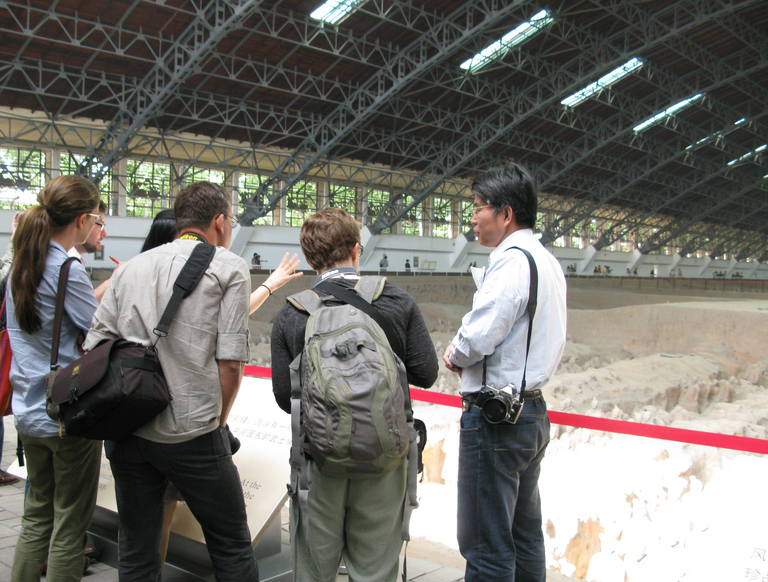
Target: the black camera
pixel 500 404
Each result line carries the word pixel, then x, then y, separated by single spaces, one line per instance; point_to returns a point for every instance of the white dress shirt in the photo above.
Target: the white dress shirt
pixel 497 326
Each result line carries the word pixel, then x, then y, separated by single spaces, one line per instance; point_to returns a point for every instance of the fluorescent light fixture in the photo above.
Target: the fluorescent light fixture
pixel 499 48
pixel 602 82
pixel 748 155
pixel 668 112
pixel 740 121
pixel 334 11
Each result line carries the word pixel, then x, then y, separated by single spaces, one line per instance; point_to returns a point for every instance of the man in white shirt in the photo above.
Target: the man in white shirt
pixel 499 508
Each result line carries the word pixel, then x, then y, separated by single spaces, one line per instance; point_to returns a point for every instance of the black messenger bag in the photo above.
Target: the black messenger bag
pixel 119 386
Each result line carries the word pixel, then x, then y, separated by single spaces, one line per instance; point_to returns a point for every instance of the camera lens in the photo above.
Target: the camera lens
pixel 495 410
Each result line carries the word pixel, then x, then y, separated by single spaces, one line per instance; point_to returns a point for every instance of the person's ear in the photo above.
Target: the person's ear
pixel 219 222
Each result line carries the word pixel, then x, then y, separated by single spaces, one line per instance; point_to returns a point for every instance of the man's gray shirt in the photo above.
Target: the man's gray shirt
pixel 211 324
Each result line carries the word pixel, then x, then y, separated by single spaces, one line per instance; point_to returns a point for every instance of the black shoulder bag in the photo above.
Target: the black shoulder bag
pixel 119 386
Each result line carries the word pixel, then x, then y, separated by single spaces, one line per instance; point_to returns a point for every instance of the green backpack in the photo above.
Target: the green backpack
pixel 354 401
pixel 350 399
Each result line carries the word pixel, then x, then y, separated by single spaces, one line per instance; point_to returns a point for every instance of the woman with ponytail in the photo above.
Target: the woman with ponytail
pixel 62 470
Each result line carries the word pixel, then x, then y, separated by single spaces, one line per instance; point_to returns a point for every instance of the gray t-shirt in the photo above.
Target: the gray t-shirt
pixel 211 324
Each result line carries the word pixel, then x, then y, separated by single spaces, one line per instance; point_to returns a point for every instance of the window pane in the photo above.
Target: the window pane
pixel 248 188
pixel 412 222
pixel 376 201
pixel 69 163
pixel 22 174
pixel 300 203
pixel 149 188
pixel 441 223
pixel 343 197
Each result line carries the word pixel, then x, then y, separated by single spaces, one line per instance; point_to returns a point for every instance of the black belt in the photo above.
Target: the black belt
pixel 468 400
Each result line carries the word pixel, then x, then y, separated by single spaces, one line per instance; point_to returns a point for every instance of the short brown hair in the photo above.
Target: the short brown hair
pixel 198 204
pixel 328 237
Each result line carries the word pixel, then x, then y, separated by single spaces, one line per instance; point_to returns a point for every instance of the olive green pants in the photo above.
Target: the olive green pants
pixel 63 476
pixel 359 519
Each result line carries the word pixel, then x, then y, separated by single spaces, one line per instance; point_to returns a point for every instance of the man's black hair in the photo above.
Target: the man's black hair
pixel 509 185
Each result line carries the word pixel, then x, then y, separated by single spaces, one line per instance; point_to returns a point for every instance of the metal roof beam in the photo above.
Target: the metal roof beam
pixel 212 23
pixel 610 51
pixel 424 53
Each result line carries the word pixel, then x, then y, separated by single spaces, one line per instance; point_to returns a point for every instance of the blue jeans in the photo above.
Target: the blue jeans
pixel 499 508
pixel 203 472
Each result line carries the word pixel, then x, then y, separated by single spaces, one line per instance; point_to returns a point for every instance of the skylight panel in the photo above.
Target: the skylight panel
pixel 602 82
pixel 748 155
pixel 499 48
pixel 668 112
pixel 717 134
pixel 333 11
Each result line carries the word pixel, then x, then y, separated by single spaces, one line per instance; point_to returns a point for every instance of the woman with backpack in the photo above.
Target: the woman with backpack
pixel 62 470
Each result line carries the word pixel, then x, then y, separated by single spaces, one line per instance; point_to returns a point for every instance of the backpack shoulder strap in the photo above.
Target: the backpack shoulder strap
pixel 370 287
pixel 185 283
pixel 307 301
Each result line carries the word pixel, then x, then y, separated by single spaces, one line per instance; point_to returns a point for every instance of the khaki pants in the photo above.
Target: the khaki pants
pixel 359 519
pixel 63 476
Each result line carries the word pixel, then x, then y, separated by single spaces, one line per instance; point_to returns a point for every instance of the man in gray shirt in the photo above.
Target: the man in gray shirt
pixel 202 358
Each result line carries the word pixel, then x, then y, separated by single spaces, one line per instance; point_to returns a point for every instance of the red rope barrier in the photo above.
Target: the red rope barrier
pixel 667 433
pixel 258 371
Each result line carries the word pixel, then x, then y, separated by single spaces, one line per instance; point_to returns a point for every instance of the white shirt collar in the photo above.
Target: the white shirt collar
pixel 524 234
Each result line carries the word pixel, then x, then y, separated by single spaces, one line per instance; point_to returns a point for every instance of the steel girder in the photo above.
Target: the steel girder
pixel 467 147
pixel 233 114
pixel 304 83
pixel 523 59
pixel 442 119
pixel 213 22
pixel 731 74
pixel 617 127
pixel 299 32
pixel 41 133
pixel 628 176
pixel 419 56
pixel 733 230
pixel 420 197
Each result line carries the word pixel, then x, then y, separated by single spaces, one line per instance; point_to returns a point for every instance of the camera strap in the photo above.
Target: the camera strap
pixel 531 308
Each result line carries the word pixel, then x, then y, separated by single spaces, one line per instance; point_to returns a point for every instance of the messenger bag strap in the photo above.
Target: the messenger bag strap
pixel 61 292
pixel 185 283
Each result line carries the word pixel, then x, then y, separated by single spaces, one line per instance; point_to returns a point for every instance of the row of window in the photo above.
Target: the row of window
pixel 150 186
